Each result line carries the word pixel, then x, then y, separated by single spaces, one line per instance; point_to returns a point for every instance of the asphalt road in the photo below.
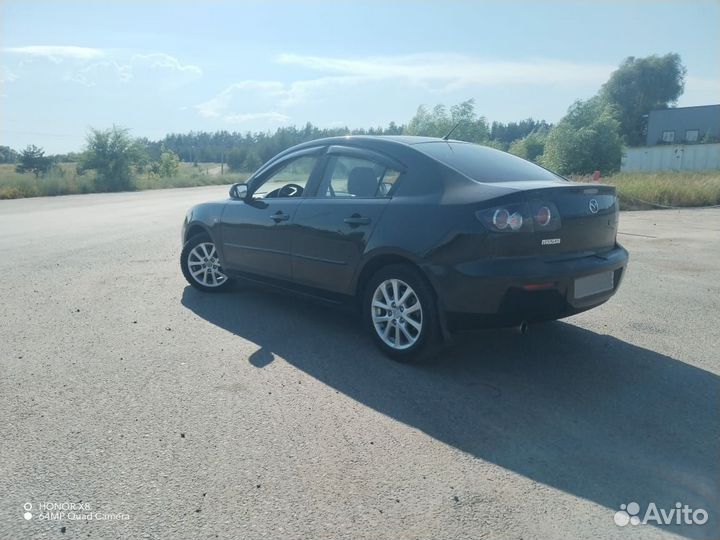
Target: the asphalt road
pixel 254 415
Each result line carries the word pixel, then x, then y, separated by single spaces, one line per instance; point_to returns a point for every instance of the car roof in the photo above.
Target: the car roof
pixel 368 141
pixel 410 139
pixel 406 140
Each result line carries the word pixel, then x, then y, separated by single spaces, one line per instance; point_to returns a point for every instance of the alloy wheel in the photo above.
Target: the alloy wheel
pixel 204 265
pixel 397 314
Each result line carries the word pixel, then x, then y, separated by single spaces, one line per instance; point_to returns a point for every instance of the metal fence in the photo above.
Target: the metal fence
pixel 676 157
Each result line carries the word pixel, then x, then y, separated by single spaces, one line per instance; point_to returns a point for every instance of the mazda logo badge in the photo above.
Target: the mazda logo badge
pixel 593 206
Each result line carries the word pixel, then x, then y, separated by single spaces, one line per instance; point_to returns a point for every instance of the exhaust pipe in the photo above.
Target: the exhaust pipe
pixel 523 327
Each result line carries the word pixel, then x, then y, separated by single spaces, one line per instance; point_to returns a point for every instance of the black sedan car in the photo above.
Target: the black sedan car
pixel 426 235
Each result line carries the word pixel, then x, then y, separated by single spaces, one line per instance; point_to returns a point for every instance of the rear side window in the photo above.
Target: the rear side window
pixel 485 164
pixel 349 176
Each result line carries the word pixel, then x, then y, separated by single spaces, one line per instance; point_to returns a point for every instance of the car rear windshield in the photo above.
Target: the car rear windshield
pixel 484 164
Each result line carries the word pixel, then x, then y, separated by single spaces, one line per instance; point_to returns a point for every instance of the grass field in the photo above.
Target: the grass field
pixel 644 191
pixel 205 174
pixel 637 191
pixel 64 180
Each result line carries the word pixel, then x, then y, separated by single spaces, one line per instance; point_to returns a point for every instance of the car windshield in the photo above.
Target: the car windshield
pixel 485 164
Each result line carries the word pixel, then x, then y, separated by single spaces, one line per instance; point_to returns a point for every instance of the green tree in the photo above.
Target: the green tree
pixel 154 168
pixel 439 121
pixel 169 164
pixel 34 160
pixel 252 161
pixel 529 147
pixel 585 140
pixel 512 131
pixel 640 85
pixel 112 153
pixel 8 155
pixel 236 158
pixel 141 162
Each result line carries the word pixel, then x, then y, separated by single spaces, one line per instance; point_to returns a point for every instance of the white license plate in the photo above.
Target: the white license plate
pixel 597 283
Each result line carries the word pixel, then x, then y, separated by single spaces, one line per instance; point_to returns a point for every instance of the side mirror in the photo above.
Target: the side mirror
pixel 239 191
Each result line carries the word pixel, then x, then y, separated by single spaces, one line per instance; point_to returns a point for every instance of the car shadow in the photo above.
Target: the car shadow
pixel 583 412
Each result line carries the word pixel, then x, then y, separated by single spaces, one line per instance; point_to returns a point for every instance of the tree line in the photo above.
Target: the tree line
pixel 247 151
pixel 589 137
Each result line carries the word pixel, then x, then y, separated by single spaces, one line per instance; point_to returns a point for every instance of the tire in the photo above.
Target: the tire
pixel 412 332
pixel 200 265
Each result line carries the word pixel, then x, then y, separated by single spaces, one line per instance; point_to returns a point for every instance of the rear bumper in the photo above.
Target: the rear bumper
pixel 493 292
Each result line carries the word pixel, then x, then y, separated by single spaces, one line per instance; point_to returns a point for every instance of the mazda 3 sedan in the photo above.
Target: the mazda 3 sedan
pixel 425 235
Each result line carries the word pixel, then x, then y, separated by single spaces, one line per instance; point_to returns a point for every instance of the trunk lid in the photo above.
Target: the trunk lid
pixel 584 220
pixel 588 218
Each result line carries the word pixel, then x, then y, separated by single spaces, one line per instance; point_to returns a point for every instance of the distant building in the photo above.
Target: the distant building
pixel 684 125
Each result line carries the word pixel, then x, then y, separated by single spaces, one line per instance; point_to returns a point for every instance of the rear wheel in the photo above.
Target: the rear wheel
pixel 201 265
pixel 399 307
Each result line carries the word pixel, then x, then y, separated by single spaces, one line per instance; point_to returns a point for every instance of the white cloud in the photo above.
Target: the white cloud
pixel 57 53
pixel 92 67
pixel 7 76
pixel 252 94
pixel 433 72
pixel 453 71
pixel 165 61
pixel 221 103
pixel 141 67
pixel 104 71
pixel 300 92
pixel 273 117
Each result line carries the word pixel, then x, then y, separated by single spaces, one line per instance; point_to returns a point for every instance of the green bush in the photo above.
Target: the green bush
pixel 530 147
pixel 587 139
pixel 112 154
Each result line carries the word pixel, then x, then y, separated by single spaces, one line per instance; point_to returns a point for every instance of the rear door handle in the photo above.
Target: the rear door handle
pixel 357 219
pixel 280 216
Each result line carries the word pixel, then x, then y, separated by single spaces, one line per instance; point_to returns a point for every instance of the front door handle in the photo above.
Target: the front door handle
pixel 279 216
pixel 357 219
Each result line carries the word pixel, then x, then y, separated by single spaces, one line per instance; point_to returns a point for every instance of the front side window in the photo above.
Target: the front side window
pixel 348 176
pixel 289 180
pixel 668 136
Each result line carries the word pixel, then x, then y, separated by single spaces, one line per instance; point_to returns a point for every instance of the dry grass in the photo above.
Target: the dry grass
pixel 205 174
pixel 64 180
pixel 642 191
pixel 61 180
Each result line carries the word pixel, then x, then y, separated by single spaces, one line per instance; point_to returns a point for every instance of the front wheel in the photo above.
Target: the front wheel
pixel 400 308
pixel 201 265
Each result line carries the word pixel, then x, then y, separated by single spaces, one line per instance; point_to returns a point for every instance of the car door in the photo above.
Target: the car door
pixel 256 231
pixel 333 227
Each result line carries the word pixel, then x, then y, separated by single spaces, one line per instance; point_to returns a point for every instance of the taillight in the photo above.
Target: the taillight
pixel 515 221
pixel 500 218
pixel 521 217
pixel 543 216
pixel 509 218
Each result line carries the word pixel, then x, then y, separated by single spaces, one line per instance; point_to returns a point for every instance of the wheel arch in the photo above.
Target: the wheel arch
pixel 380 260
pixel 194 229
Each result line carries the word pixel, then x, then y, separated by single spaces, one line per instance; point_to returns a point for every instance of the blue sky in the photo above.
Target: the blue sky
pixel 159 66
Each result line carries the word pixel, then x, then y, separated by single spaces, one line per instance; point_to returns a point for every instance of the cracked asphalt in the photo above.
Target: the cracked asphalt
pixel 161 412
